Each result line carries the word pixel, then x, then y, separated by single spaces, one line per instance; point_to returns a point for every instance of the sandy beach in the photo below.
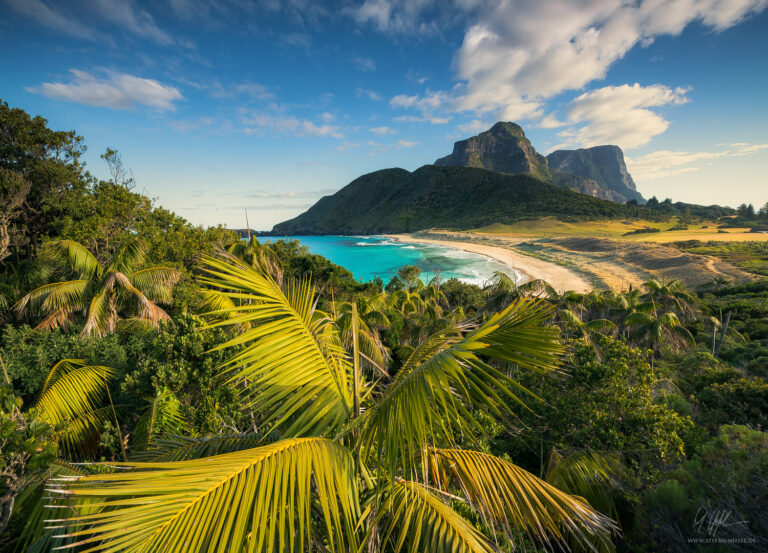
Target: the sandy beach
pixel 559 277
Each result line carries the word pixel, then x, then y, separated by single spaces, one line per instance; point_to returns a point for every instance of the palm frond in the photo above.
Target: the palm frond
pixel 156 282
pixel 586 474
pixel 61 318
pixel 183 448
pixel 100 315
pixel 517 502
pixel 253 500
pixel 62 367
pixel 416 520
pixel 293 361
pixel 435 390
pixel 67 294
pixel 72 400
pixel 129 257
pixel 162 417
pixel 33 506
pixel 73 255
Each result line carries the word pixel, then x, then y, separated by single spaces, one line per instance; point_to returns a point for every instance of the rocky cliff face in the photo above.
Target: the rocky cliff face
pixel 604 164
pixel 585 185
pixel 599 172
pixel 503 148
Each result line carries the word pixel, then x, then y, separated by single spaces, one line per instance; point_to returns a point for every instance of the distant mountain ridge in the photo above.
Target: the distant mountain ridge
pixel 599 172
pixel 396 200
pixel 494 177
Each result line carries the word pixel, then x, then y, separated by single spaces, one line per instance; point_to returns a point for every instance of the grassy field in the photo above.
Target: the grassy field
pixel 749 256
pixel 618 230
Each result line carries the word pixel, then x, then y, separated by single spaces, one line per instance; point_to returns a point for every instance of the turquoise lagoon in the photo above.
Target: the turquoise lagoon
pixel 368 257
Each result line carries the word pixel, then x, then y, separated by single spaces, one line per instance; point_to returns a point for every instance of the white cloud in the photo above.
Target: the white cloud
pixel 665 163
pixel 118 91
pixel 475 126
pixel 364 64
pixel 247 88
pixel 259 123
pixel 124 14
pixel 515 55
pixel 435 120
pixel 394 16
pixel 344 146
pixel 618 115
pixel 370 94
pixel 381 131
pixel 52 18
pixel 406 144
pixel 327 117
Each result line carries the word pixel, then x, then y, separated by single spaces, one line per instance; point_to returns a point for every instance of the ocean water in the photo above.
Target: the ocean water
pixel 368 257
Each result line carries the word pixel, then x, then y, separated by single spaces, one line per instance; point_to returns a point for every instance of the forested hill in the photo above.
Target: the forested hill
pixel 395 200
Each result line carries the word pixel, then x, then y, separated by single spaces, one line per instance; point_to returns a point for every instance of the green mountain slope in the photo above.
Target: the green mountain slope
pixel 394 200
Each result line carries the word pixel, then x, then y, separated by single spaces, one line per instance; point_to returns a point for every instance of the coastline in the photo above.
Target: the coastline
pixel 560 278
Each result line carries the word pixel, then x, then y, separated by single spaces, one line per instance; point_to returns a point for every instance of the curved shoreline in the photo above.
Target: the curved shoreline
pixel 560 278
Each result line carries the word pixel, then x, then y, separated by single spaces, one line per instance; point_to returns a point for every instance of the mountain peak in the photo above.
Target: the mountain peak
pixel 605 164
pixel 506 128
pixel 503 148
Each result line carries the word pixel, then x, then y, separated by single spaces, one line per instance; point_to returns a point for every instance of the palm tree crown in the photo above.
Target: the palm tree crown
pixel 102 294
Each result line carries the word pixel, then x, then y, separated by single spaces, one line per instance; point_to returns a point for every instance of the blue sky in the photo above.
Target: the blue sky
pixel 268 105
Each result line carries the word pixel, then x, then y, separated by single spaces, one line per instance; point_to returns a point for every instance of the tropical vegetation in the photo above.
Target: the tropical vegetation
pixel 200 392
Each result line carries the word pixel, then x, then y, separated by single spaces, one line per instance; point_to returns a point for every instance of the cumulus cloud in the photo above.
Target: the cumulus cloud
pixel 381 131
pixel 117 91
pixel 516 55
pixel 619 115
pixel 666 163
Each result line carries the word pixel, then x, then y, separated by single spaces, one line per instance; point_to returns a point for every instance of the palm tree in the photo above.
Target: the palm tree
pixel 572 322
pixel 327 476
pixel 358 323
pixel 657 330
pixel 672 296
pixel 102 294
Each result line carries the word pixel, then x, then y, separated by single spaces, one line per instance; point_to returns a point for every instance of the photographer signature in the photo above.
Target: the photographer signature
pixel 712 520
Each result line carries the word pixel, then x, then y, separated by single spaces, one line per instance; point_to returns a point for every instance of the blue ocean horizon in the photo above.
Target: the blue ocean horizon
pixel 368 257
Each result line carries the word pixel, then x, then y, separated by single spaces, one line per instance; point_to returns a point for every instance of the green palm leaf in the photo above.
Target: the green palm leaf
pixel 34 507
pixel 293 361
pixel 156 282
pixel 38 299
pixel 71 399
pixel 434 392
pixel 515 500
pixel 182 448
pixel 128 257
pixel 75 256
pixel 253 500
pixel 162 417
pixel 419 521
